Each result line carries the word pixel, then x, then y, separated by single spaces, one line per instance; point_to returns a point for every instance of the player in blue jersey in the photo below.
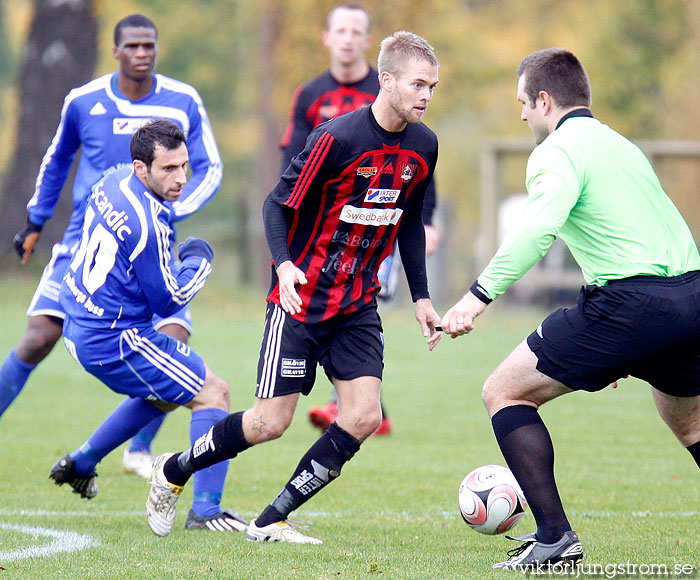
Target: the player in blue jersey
pixel 330 221
pixel 637 316
pixel 121 274
pixel 348 84
pixel 98 119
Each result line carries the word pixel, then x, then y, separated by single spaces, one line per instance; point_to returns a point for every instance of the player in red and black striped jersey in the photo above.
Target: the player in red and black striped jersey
pixel 349 83
pixel 344 197
pixel 321 99
pixel 334 215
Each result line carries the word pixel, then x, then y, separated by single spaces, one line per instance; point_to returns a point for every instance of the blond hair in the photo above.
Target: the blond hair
pixel 401 47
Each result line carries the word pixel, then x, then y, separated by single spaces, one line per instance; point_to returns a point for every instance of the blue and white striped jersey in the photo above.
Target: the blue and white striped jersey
pixel 99 118
pixel 123 270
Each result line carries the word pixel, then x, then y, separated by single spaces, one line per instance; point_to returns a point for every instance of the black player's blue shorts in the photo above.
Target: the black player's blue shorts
pixel 645 326
pixel 347 346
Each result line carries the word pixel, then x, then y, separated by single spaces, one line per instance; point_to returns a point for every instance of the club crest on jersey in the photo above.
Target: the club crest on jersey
pixel 407 172
pixel 367 172
pixel 127 126
pixel 382 195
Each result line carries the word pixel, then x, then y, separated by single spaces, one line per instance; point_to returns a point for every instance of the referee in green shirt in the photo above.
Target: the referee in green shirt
pixel 637 316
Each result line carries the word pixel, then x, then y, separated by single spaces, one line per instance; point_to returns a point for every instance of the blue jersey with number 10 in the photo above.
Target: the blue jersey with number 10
pixel 123 270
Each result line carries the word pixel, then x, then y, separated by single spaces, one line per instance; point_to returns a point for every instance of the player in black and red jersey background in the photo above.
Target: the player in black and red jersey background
pixel 358 185
pixel 348 84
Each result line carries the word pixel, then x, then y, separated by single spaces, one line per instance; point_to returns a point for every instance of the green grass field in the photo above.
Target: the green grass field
pixel 630 489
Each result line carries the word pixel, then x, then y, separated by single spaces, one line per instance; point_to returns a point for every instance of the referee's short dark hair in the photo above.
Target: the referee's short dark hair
pixel 133 21
pixel 159 132
pixel 560 74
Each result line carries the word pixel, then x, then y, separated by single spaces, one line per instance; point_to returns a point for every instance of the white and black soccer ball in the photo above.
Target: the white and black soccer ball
pixel 490 500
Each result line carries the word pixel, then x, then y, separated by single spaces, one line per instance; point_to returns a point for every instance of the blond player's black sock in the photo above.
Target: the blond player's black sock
pixel 224 441
pixel 320 466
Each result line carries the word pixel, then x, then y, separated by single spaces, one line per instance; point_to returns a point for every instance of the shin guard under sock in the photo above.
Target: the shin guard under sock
pixel 223 441
pixel 320 465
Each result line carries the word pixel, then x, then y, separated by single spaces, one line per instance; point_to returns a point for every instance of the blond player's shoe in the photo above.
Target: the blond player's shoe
pixel 138 462
pixel 161 505
pixel 283 531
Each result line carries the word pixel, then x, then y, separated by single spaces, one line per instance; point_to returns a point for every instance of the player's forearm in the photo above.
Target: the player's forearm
pixel 276 231
pixel 412 249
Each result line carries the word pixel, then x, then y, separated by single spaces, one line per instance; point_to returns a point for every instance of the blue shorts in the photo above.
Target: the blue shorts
pixel 645 326
pixel 347 346
pixel 139 362
pixel 45 301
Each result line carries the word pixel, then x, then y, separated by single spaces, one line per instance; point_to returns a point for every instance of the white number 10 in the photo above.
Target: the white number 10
pixel 99 252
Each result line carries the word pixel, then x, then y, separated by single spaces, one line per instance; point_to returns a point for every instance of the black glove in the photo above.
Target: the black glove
pixel 195 247
pixel 25 240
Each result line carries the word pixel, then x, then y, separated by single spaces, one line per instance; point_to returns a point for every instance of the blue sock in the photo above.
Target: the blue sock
pixel 142 441
pixel 14 373
pixel 124 422
pixel 208 484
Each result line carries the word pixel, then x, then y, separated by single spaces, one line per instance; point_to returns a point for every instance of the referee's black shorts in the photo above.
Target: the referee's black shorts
pixel 644 326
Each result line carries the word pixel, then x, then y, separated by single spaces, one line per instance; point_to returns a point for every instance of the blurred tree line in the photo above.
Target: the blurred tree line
pixel 246 57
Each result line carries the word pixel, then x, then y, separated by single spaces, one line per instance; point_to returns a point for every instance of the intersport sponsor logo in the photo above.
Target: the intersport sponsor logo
pixel 370 216
pixel 382 195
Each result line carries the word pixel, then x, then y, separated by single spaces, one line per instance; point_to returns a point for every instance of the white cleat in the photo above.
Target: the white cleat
pixel 282 531
pixel 161 505
pixel 138 463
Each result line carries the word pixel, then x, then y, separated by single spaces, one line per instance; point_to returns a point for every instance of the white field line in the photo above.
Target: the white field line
pixel 442 512
pixel 61 541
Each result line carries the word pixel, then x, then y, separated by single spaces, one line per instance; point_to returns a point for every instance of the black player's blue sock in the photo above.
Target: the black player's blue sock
pixel 527 448
pixel 14 374
pixel 224 441
pixel 321 465
pixel 695 452
pixel 141 442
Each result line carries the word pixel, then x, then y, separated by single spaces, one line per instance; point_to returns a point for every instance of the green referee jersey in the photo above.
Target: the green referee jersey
pixel 598 192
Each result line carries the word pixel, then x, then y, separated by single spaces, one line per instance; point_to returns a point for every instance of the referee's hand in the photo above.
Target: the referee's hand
pixel 288 276
pixel 459 319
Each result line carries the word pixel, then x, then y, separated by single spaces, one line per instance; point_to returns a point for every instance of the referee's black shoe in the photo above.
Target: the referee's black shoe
pixel 534 556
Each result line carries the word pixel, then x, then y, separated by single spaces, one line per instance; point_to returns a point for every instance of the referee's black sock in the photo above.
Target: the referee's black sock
pixel 527 448
pixel 695 452
pixel 224 441
pixel 320 466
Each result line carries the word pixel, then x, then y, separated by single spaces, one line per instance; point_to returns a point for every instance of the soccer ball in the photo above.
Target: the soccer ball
pixel 490 500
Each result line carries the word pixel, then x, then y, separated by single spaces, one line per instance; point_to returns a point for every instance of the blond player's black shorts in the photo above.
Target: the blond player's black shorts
pixel 645 326
pixel 347 346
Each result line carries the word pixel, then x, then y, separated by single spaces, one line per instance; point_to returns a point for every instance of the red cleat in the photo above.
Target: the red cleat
pixel 322 417
pixel 384 427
